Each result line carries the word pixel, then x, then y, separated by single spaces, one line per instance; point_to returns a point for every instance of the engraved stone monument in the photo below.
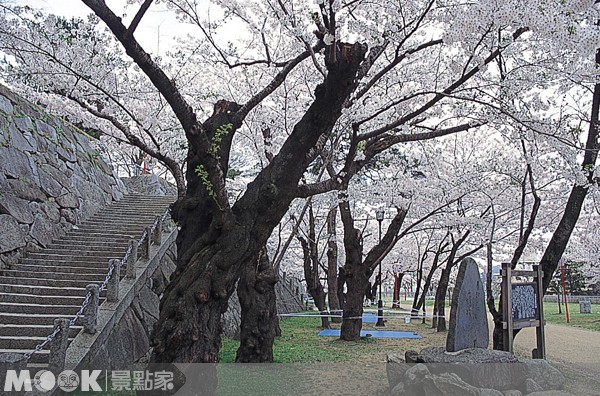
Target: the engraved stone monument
pixel 468 326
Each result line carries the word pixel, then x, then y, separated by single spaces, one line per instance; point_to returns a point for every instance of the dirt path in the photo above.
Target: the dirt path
pixel 566 344
pixel 575 351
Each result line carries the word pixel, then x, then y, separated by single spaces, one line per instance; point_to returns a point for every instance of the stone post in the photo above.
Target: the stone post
pixel 90 313
pixel 132 259
pixel 112 291
pixel 157 234
pixel 146 244
pixel 58 346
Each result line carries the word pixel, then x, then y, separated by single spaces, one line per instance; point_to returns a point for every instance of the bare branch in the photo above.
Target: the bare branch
pixel 138 17
pixel 384 142
pixel 183 111
pixel 135 141
pixel 275 83
pixel 393 64
pixel 440 95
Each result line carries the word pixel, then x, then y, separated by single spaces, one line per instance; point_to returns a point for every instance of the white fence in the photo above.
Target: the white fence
pixel 573 299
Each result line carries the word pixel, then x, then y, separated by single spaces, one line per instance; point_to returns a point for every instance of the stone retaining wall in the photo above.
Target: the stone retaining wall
pixel 50 177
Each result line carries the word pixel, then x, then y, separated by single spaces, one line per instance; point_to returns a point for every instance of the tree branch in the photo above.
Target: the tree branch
pixel 169 162
pixel 440 95
pixel 276 82
pixel 183 111
pixel 138 17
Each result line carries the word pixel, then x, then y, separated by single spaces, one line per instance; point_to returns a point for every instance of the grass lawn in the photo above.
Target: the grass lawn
pixel 308 362
pixel 299 343
pixel 587 321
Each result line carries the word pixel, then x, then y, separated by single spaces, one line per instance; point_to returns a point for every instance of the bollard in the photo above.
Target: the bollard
pixel 157 234
pixel 58 346
pixel 90 312
pixel 146 244
pixel 112 290
pixel 130 274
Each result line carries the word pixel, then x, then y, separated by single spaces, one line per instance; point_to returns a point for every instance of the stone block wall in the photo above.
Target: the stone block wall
pixel 50 177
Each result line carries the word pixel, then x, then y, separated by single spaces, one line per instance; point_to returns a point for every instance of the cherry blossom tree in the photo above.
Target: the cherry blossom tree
pixel 334 82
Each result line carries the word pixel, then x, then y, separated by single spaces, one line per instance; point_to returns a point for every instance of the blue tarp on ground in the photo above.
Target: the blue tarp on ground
pixel 373 333
pixel 369 318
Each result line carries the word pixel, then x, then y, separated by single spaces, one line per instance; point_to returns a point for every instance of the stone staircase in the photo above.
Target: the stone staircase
pixel 51 283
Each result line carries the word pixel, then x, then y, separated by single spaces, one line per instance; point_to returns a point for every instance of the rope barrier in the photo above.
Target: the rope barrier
pixel 324 315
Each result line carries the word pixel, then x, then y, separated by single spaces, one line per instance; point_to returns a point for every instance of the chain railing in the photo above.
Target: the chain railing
pixel 114 265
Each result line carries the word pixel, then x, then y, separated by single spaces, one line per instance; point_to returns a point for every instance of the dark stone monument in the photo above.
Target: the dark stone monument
pixel 585 307
pixel 468 326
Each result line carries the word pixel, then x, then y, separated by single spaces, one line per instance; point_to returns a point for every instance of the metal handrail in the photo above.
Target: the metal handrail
pixel 103 286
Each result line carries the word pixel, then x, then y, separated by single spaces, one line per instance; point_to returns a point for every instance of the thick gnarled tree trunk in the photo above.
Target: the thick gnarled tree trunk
pixel 358 271
pixel 216 242
pixel 256 292
pixel 356 276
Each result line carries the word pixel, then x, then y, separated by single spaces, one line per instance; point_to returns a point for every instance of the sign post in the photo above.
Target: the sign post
pixel 522 306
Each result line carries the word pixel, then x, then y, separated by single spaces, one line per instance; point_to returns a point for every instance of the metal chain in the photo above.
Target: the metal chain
pixel 86 300
pixel 41 345
pixel 141 240
pixel 104 284
pixel 127 254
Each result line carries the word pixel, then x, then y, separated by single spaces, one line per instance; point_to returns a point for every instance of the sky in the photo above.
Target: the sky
pixel 155 33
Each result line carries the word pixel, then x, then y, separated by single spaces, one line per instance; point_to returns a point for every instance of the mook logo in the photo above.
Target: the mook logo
pixel 46 381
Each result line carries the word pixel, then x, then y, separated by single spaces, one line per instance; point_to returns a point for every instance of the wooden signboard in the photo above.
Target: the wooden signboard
pixel 524 301
pixel 522 306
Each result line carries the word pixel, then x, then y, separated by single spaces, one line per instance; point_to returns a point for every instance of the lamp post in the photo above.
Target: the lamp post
pixel 379 216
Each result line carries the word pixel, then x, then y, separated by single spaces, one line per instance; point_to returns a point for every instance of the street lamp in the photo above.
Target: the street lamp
pixel 379 216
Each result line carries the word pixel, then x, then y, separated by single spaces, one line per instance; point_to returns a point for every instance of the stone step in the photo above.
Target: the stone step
pixel 20 308
pixel 63 282
pixel 127 215
pixel 89 245
pixel 23 342
pixel 118 224
pixel 65 268
pixel 100 264
pixel 40 299
pixel 58 259
pixel 43 290
pixel 79 252
pixel 152 198
pixel 143 197
pixel 106 233
pixel 84 239
pixel 146 200
pixel 34 319
pixel 35 367
pixel 95 228
pixel 38 357
pixel 90 278
pixel 108 219
pixel 134 208
pixel 114 225
pixel 34 330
